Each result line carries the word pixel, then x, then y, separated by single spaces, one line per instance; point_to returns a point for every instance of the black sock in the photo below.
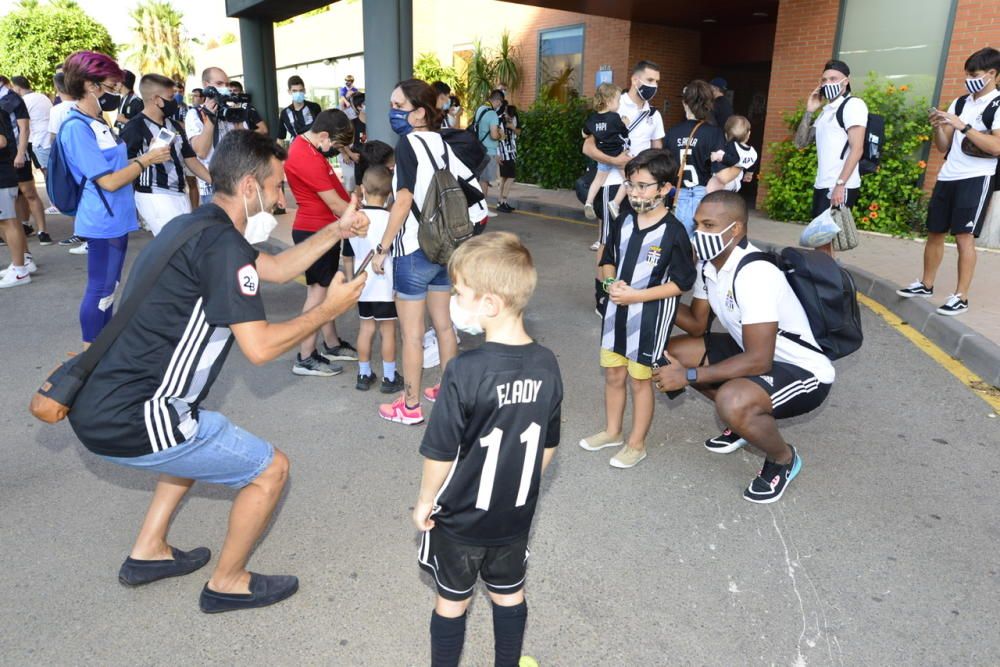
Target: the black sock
pixel 599 292
pixel 508 633
pixel 447 639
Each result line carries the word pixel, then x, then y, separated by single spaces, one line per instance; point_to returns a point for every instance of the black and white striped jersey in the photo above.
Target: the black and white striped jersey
pixel 143 397
pixel 645 258
pixel 499 408
pixel 138 134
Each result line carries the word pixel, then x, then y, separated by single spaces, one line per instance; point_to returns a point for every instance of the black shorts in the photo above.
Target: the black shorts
pixel 346 249
pixel 323 269
pixel 793 390
pixel 34 158
pixel 606 195
pixel 456 566
pixel 377 310
pixel 508 169
pixel 821 199
pixel 24 173
pixel 959 207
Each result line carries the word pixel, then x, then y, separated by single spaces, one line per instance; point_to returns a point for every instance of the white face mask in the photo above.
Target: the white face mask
pixel 975 85
pixel 260 225
pixel 710 245
pixel 465 320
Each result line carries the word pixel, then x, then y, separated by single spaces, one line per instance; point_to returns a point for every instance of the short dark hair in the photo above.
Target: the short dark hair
pixel 295 80
pixel 198 91
pixel 239 154
pixel 128 78
pixel 21 82
pixel 237 84
pixel 496 95
pixel 373 153
pixel 645 64
pixel 377 181
pixel 983 60
pixel 335 123
pixel 149 81
pixel 59 82
pixel 441 87
pixel 733 202
pixel 661 164
pixel 357 99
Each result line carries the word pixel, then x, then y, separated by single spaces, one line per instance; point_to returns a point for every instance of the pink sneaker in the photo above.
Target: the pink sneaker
pixel 431 393
pixel 399 413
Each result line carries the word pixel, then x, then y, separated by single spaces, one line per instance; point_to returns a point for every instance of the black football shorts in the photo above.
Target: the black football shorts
pixel 456 566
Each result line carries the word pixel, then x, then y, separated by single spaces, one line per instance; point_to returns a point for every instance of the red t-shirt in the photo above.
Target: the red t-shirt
pixel 308 174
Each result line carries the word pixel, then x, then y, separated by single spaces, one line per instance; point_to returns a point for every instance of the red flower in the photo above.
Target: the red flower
pixel 922 164
pixel 873 215
pixel 873 207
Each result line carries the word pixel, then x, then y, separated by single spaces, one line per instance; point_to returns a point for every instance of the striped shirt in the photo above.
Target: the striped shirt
pixel 645 258
pixel 167 177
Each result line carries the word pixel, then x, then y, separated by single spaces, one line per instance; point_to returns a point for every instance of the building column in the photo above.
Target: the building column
pixel 259 67
pixel 387 60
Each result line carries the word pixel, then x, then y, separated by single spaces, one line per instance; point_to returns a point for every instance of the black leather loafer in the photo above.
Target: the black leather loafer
pixel 138 572
pixel 264 590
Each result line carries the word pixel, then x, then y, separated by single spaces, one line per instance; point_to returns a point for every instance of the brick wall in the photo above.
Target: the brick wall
pixel 977 24
pixel 803 43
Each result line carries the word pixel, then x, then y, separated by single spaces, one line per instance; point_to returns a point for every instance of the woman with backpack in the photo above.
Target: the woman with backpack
pixel 421 285
pixel 105 212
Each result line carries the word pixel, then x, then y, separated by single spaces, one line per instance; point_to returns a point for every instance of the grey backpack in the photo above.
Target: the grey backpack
pixel 444 216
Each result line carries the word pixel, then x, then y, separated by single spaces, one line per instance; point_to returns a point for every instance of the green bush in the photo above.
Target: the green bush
pixel 549 148
pixel 891 200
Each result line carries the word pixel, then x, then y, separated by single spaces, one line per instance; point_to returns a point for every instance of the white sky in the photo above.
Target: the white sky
pixel 201 17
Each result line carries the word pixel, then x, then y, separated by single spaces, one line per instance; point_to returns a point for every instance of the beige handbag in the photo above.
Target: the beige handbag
pixel 847 239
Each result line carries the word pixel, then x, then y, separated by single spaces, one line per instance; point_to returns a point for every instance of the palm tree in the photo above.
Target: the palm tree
pixel 159 44
pixel 507 63
pixel 28 4
pixel 65 4
pixel 479 77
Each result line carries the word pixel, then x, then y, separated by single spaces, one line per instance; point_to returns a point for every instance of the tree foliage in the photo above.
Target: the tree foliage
pixel 35 38
pixel 160 45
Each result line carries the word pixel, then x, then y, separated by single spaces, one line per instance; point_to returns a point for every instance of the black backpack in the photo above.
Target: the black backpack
pixel 989 115
pixel 874 140
pixel 827 294
pixel 467 148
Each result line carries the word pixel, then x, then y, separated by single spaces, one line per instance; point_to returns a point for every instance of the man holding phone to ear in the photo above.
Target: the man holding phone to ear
pixel 161 189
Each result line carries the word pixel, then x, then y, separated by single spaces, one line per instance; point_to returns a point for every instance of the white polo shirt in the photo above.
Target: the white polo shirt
pixel 958 165
pixel 764 296
pixel 831 139
pixel 642 134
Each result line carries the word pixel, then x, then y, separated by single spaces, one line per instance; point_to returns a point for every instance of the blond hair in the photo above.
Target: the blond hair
pixel 738 128
pixel 604 94
pixel 496 263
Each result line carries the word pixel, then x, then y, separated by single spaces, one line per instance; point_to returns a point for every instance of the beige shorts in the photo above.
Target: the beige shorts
pixel 158 208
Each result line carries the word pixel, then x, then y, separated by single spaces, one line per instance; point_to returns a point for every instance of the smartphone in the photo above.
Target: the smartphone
pixel 364 264
pixel 164 137
pixel 663 361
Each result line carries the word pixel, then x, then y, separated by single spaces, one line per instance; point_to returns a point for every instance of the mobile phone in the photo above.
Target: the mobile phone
pixel 364 264
pixel 663 361
pixel 163 138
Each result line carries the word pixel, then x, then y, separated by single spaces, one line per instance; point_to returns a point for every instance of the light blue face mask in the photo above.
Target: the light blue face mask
pixel 447 105
pixel 298 97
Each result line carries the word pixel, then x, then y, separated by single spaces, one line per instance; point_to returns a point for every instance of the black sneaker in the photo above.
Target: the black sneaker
pixel 506 208
pixel 392 387
pixel 73 240
pixel 772 480
pixel 365 382
pixel 955 305
pixel 916 288
pixel 725 443
pixel 279 211
pixel 29 231
pixel 44 238
pixel 342 352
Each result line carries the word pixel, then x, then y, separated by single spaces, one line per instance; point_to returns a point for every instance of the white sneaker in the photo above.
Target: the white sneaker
pixel 595 245
pixel 491 213
pixel 79 250
pixel 432 355
pixel 52 210
pixel 12 278
pixel 29 264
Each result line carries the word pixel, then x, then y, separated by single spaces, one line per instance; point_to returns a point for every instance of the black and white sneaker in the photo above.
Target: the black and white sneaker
pixel 955 305
pixel 44 238
pixel 29 230
pixel 315 365
pixel 365 382
pixel 73 240
pixel 393 387
pixel 342 352
pixel 772 480
pixel 916 288
pixel 726 442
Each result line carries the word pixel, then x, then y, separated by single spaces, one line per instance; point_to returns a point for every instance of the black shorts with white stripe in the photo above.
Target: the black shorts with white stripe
pixel 601 201
pixel 793 390
pixel 959 207
pixel 456 566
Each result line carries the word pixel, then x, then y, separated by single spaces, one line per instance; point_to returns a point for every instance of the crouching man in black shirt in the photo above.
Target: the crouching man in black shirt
pixel 141 406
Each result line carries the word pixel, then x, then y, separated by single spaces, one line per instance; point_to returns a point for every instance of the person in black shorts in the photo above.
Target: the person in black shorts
pixel 766 366
pixel 494 430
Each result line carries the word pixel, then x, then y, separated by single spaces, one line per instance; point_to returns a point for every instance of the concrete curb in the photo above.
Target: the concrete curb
pixel 978 353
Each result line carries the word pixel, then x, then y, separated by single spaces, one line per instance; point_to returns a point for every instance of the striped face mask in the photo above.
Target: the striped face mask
pixel 976 84
pixel 710 245
pixel 831 91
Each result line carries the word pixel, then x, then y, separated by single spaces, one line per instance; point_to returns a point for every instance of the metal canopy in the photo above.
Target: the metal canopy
pixel 272 10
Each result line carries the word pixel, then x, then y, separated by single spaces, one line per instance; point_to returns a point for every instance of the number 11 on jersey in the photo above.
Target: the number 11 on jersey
pixel 492 443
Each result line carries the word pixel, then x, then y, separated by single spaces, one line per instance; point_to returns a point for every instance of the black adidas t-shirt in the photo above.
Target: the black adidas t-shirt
pixel 699 167
pixel 143 397
pixel 8 174
pixel 609 132
pixel 499 407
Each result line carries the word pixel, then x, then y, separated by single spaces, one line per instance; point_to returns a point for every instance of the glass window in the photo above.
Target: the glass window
pixel 901 40
pixel 560 62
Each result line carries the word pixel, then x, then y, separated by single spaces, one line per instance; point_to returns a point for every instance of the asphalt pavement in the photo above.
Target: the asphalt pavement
pixel 882 551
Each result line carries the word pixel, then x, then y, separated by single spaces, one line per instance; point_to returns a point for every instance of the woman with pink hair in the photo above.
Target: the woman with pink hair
pixel 106 212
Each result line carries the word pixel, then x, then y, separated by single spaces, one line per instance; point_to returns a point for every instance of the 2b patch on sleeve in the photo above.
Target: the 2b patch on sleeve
pixel 248 280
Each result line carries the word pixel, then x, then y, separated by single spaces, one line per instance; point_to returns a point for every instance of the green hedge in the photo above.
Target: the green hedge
pixel 891 200
pixel 549 148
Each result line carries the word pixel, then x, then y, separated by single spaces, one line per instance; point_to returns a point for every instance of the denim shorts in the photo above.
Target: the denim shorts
pixel 414 275
pixel 605 168
pixel 687 204
pixel 220 453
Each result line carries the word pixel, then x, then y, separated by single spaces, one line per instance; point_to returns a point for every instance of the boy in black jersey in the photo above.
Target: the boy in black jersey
pixel 493 432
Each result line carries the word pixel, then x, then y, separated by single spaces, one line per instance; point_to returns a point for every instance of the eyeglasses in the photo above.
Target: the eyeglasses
pixel 639 187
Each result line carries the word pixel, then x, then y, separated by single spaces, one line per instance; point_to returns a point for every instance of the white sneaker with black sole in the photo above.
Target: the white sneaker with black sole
pixel 726 442
pixel 915 289
pixel 955 305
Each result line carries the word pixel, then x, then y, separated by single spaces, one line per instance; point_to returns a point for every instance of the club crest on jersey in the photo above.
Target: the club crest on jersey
pixel 730 301
pixel 248 280
pixel 654 255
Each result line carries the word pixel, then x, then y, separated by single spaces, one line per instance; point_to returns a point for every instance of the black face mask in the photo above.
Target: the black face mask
pixel 109 101
pixel 169 107
pixel 647 92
